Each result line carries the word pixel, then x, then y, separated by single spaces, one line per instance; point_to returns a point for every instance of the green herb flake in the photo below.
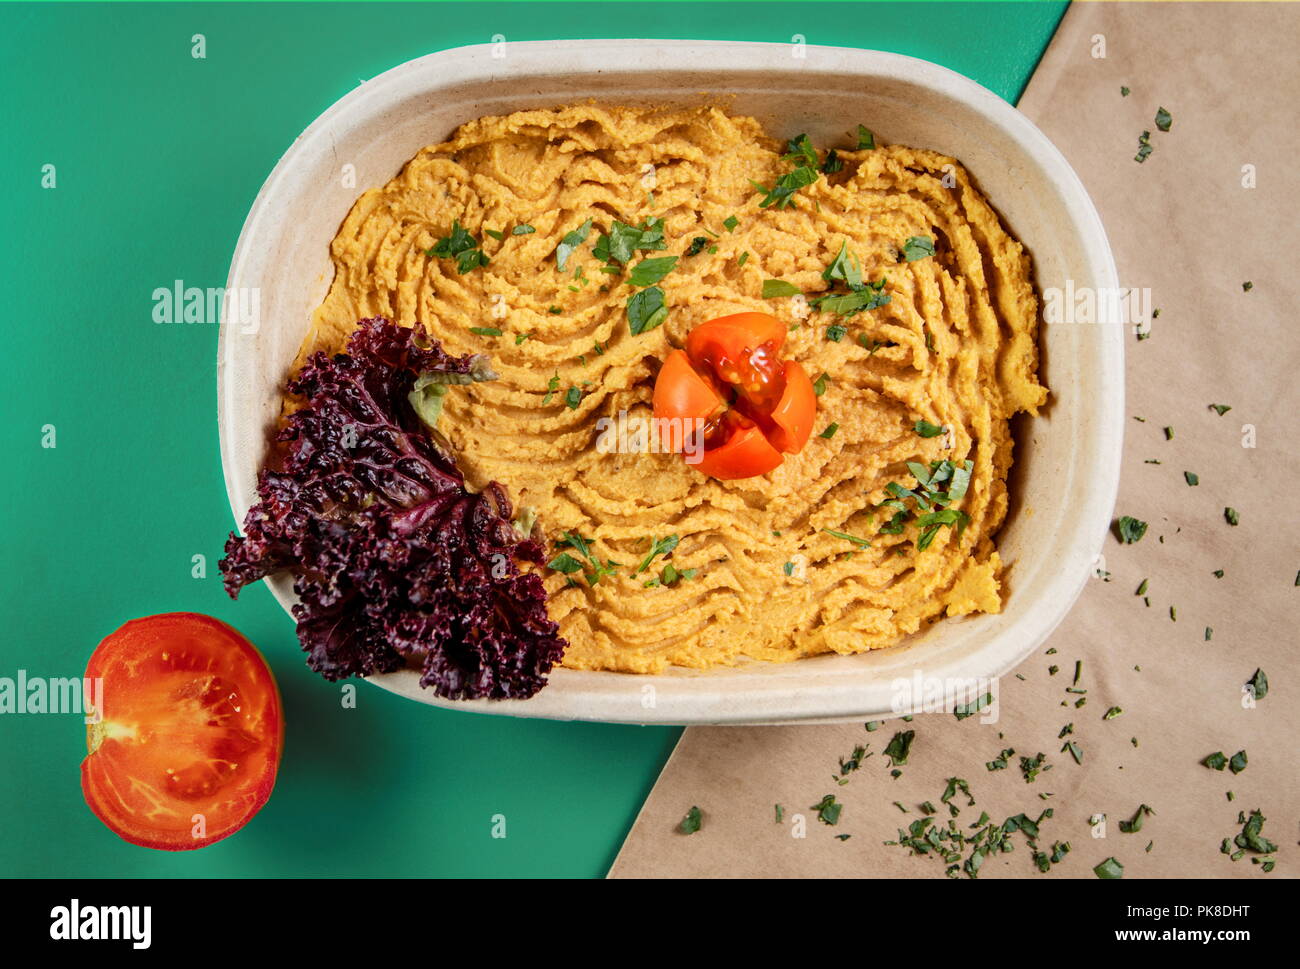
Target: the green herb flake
pixel 828 810
pixel 570 243
pixel 461 246
pixel 917 247
pixel 1130 529
pixel 646 309
pixel 829 433
pixel 848 538
pixel 658 546
pixel 650 271
pixel 692 822
pixel 925 429
pixel 1163 119
pixel 1258 685
pixel 485 331
pixel 1192 478
pixel 1109 869
pixel 777 288
pixel 522 230
pixel 900 747
pixel 1144 147
pixel 1139 816
pixel 1230 514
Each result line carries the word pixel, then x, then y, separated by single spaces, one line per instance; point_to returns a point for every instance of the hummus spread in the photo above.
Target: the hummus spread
pixel 774 576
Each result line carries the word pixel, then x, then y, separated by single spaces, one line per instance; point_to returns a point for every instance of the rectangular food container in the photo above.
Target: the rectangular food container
pixel 1066 469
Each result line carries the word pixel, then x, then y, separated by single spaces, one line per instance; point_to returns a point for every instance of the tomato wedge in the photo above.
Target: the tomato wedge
pixel 755 407
pixel 188 739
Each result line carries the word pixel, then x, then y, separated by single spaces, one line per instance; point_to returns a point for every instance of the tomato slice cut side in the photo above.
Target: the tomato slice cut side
pixel 189 736
pixel 745 454
pixel 794 414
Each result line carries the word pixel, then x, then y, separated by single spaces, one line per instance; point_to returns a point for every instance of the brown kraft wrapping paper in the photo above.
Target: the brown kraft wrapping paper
pixel 1187 224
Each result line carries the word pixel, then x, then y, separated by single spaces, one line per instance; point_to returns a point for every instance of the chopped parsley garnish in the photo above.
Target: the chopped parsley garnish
pixel 623 240
pixel 568 564
pixel 730 223
pixel 1192 478
pixel 819 385
pixel 1109 869
pixel 865 138
pixel 1000 761
pixel 1237 762
pixel 461 246
pixel 829 433
pixel 900 747
pixel 848 538
pixel 1130 529
pixel 925 429
pixel 1220 409
pixel 861 295
pixel 658 546
pixel 552 386
pixel 1251 839
pixel 650 271
pixel 573 397
pixel 1216 761
pixel 1144 147
pixel 1258 685
pixel 1247 286
pixel 569 244
pixel 1163 119
pixel 828 810
pixel 1230 514
pixel 744 258
pixel 918 247
pixel 833 163
pixel 1031 767
pixel 692 822
pixel 485 331
pixel 522 230
pixel 646 309
pixel 835 332
pixel 670 575
pixel 697 245
pixel 498 236
pixel 1123 92
pixel 781 195
pixel 776 288
pixel 799 149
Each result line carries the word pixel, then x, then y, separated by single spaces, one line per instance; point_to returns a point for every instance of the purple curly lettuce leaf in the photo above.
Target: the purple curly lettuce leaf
pixel 395 562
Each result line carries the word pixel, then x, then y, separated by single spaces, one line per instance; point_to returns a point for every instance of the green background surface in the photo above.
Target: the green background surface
pixel 158 158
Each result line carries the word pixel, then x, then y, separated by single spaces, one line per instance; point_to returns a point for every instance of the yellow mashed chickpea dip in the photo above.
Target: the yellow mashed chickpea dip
pixel 787 564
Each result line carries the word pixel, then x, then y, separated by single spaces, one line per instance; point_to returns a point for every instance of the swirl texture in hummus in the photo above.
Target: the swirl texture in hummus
pixel 955 347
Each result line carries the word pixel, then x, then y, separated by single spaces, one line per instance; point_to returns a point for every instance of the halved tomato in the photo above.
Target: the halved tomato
pixel 188 740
